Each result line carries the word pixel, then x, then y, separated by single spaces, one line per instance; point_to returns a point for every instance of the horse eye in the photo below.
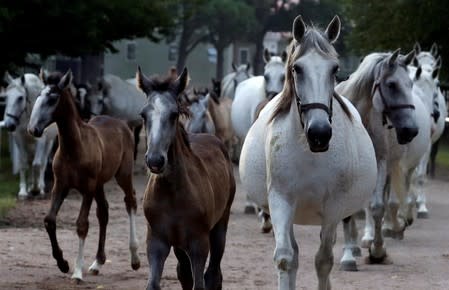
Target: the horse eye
pixel 51 101
pixel 282 78
pixel 266 77
pixel 143 116
pixel 391 85
pixel 297 69
pixel 335 69
pixel 20 99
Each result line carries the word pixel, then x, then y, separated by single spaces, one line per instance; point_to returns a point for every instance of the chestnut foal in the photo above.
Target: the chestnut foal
pixel 188 198
pixel 89 155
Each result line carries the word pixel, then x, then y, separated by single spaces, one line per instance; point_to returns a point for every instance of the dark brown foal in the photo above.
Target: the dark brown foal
pixel 89 155
pixel 189 195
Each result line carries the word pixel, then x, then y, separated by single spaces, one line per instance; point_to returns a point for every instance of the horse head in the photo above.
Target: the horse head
pixel 274 73
pixel 46 107
pixel 311 69
pixel 392 94
pixel 16 96
pixel 161 116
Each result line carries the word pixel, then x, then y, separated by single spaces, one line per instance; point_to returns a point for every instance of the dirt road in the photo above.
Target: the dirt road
pixel 420 261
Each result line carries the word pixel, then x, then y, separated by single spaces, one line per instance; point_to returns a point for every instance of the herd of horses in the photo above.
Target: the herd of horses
pixel 310 151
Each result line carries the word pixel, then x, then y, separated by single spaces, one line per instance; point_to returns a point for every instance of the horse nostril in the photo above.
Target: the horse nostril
pixel 155 161
pixel 406 134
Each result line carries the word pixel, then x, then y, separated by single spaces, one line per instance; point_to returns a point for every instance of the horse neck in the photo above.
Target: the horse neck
pixel 69 125
pixel 179 153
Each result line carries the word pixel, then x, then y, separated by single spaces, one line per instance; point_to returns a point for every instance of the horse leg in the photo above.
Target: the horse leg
pixel 217 240
pixel 19 158
pixel 58 195
pixel 266 221
pixel 433 156
pixel 198 251
pixel 157 252
pixel 22 185
pixel 285 256
pixel 324 258
pixel 124 180
pixel 82 227
pixel 103 217
pixel 137 130
pixel 183 269
pixel 348 262
pixel 377 252
pixel 368 235
pixel 420 181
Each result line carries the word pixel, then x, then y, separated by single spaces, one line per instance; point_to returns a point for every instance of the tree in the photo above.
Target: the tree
pixel 387 25
pixel 227 21
pixel 191 25
pixel 76 27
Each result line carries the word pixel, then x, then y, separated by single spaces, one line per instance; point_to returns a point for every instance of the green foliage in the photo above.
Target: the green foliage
pixel 76 27
pixel 387 25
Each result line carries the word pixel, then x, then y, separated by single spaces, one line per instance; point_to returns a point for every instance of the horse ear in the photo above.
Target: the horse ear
pixel 409 57
pixel 248 66
pixel 417 48
pixel 333 29
pixel 43 75
pixel 434 49
pixel 22 80
pixel 66 80
pixel 299 28
pixel 142 82
pixel 205 100
pixel 8 78
pixel 418 73
pixel 415 61
pixel 438 62
pixel 234 67
pixel 394 56
pixel 182 81
pixel 284 56
pixel 435 73
pixel 195 92
pixel 266 55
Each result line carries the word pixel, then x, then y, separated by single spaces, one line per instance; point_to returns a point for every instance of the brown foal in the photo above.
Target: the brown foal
pixel 188 198
pixel 89 155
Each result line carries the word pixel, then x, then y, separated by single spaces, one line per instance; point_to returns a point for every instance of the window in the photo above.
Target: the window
pixel 131 50
pixel 243 55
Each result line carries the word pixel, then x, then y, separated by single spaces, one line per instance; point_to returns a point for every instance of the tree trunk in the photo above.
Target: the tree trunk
pixel 258 64
pixel 220 62
pixel 182 48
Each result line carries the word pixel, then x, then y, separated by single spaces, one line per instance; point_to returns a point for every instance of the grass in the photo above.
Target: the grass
pixel 443 155
pixel 9 183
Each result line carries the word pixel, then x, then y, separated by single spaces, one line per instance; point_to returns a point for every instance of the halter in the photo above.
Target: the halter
pixel 303 108
pixel 387 108
pixel 25 109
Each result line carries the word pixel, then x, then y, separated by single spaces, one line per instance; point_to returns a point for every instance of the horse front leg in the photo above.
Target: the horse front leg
pixel 23 193
pixel 324 258
pixel 157 252
pixel 57 197
pixel 197 251
pixel 351 249
pixel 103 218
pixel 82 227
pixel 282 212
pixel 368 235
pixel 377 252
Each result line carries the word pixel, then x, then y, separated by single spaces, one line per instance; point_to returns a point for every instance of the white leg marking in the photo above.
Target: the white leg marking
pixel 23 184
pixel 78 271
pixel 133 243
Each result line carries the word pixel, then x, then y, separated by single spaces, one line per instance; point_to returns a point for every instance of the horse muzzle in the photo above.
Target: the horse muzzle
pixel 155 162
pixel 10 125
pixel 405 135
pixel 318 137
pixel 36 132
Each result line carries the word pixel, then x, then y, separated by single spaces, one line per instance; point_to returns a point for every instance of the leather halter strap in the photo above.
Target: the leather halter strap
pixel 303 108
pixel 17 117
pixel 388 108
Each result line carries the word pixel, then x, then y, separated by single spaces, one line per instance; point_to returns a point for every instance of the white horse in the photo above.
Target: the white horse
pixel 231 80
pixel 120 99
pixel 307 158
pixel 27 153
pixel 381 90
pixel 253 91
pixel 200 120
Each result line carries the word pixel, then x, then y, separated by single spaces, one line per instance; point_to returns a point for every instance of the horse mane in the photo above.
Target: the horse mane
pixel 313 39
pixel 360 83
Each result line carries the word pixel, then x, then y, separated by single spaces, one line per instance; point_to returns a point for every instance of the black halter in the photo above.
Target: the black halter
pixel 387 108
pixel 303 108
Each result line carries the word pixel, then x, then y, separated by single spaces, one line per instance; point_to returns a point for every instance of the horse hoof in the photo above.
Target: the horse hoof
pixel 63 266
pixel 249 209
pixel 366 244
pixel 77 281
pixel 380 259
pixel 356 252
pixel 423 215
pixel 348 266
pixel 94 272
pixel 136 265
